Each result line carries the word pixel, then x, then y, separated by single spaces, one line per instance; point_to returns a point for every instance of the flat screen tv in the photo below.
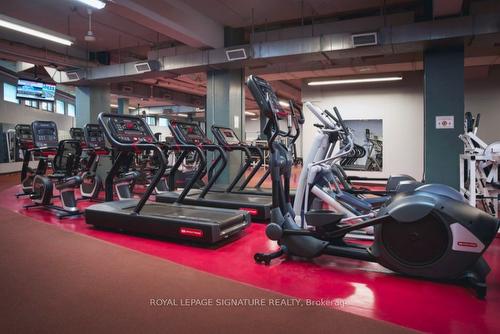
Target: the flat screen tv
pixel 35 90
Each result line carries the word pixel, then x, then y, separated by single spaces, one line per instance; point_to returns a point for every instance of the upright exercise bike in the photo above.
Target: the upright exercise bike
pixel 430 233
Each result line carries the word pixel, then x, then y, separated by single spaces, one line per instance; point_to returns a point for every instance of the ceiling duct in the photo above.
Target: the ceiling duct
pixel 334 46
pixel 366 39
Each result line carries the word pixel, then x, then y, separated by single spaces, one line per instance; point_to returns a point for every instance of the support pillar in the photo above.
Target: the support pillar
pixel 226 107
pixel 90 102
pixel 443 96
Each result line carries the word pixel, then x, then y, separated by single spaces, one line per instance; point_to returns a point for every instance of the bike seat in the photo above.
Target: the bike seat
pixel 319 218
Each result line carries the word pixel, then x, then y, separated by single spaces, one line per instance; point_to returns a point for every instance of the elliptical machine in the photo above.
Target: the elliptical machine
pixel 63 171
pixel 430 233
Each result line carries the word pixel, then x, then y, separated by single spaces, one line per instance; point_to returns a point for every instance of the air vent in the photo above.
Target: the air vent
pixel 127 89
pixel 236 54
pixel 147 66
pixel 366 39
pixel 73 76
pixel 142 67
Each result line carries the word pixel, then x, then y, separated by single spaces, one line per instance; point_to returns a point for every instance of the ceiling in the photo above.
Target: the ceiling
pixel 126 39
pixel 238 13
pixel 70 17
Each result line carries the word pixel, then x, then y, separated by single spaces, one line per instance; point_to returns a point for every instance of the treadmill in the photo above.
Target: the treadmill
pixel 227 138
pixel 187 133
pixel 128 134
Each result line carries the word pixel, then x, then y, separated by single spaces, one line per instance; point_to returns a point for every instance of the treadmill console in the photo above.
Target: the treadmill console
pixel 130 130
pixel 94 137
pixel 266 97
pixel 190 133
pixel 228 136
pixel 44 134
pixel 24 136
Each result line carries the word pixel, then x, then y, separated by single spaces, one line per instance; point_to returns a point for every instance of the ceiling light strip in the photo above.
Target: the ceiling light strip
pixel 29 29
pixel 351 81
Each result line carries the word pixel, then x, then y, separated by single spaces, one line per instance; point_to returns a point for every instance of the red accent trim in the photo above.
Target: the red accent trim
pixel 467 244
pixel 251 211
pixel 192 232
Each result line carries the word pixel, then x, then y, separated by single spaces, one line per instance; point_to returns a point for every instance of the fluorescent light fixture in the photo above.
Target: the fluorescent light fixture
pixel 33 30
pixel 97 4
pixel 284 103
pixel 350 81
pixel 249 113
pixel 182 115
pixel 113 105
pixel 254 119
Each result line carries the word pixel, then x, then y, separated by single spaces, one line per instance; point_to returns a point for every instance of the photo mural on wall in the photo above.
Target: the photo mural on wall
pixel 368 146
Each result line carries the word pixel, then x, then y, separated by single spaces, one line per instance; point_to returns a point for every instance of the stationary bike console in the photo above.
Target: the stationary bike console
pixel 77 134
pixel 94 137
pixel 45 134
pixel 24 136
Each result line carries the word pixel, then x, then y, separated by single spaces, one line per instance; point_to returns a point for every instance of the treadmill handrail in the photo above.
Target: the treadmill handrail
pixel 202 163
pixel 131 147
pixel 238 147
pixel 206 145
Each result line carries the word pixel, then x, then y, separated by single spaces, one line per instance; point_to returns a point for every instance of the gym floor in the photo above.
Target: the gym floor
pixel 359 288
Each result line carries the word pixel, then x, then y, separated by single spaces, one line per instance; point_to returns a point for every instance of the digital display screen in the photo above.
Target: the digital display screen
pixel 230 137
pixel 45 132
pixel 36 90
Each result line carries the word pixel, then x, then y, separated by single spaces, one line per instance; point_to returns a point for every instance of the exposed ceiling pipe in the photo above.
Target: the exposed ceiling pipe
pixel 335 46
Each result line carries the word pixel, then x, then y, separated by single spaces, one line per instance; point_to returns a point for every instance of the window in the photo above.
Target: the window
pixel 71 110
pixel 162 121
pixel 60 107
pixel 151 120
pixel 31 103
pixel 47 106
pixel 9 93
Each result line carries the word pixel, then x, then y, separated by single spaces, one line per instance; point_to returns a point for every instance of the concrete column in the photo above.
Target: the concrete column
pixel 443 96
pixel 90 102
pixel 226 107
pixel 123 104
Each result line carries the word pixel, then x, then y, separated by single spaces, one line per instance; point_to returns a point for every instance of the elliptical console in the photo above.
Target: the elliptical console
pixel 430 233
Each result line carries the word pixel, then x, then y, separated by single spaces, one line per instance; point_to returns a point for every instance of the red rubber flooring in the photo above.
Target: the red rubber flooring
pixel 362 288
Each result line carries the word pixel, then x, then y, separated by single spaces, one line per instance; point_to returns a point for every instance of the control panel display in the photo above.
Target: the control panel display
pixel 229 136
pixel 94 137
pixel 77 134
pixel 130 130
pixel 24 133
pixel 191 133
pixel 45 134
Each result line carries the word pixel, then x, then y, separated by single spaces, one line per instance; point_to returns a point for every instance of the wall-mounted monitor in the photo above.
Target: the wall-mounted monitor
pixel 35 90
